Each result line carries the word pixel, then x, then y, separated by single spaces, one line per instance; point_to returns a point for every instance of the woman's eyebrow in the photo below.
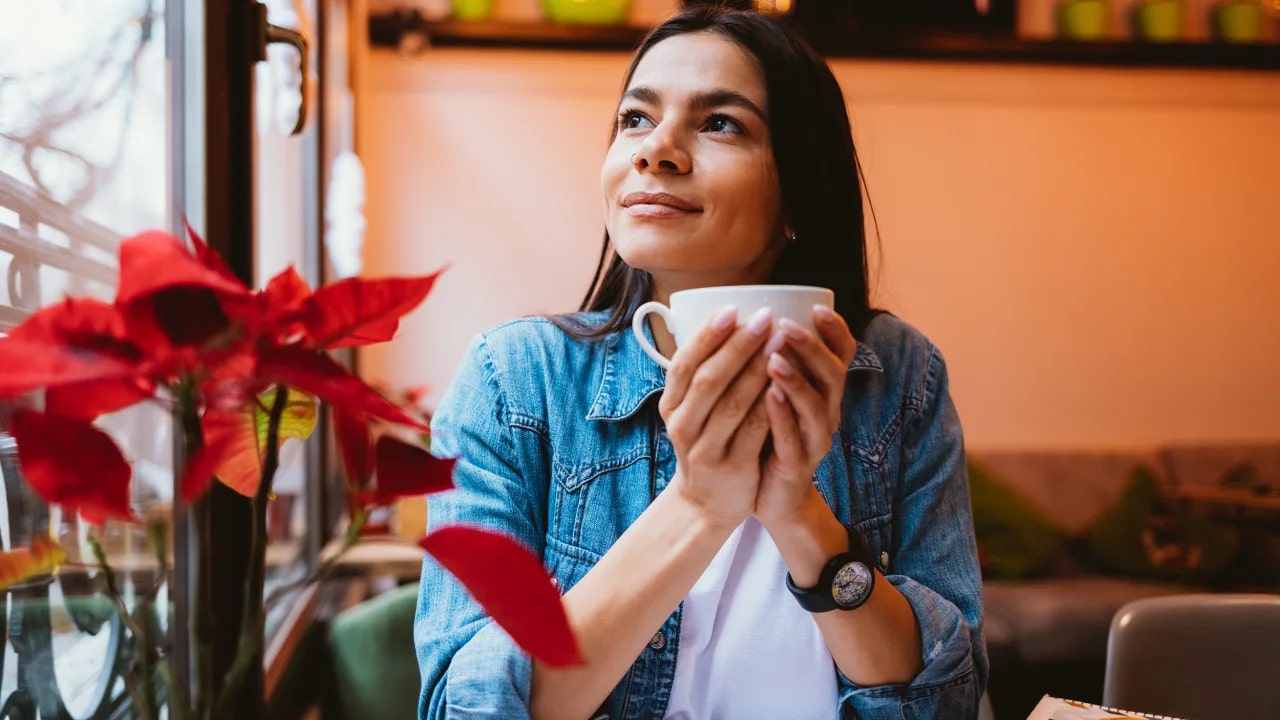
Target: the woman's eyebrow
pixel 702 100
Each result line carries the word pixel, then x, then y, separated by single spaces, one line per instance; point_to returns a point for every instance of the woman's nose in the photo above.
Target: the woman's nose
pixel 663 155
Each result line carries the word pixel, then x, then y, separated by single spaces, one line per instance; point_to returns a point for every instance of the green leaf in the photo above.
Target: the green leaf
pixel 298 420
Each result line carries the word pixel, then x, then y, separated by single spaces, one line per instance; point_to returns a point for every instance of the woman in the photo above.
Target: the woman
pixel 701 523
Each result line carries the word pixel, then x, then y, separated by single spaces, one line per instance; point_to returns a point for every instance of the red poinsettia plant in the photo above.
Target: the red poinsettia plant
pixel 241 372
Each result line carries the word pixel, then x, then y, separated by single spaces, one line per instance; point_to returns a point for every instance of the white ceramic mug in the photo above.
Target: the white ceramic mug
pixel 691 309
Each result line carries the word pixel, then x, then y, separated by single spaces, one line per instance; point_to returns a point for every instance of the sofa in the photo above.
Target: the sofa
pixel 1066 538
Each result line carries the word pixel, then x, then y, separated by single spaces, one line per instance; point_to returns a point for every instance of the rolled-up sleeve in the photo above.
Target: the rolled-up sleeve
pixel 935 567
pixel 470 668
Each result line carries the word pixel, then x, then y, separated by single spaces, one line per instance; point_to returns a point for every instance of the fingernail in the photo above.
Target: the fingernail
pixel 777 393
pixel 780 365
pixel 725 319
pixel 760 322
pixel 822 312
pixel 776 343
pixel 791 329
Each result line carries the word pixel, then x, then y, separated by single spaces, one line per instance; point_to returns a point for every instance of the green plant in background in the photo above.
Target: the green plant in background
pixel 1142 535
pixel 1084 19
pixel 1015 539
pixel 587 12
pixel 472 9
pixel 1237 21
pixel 1158 20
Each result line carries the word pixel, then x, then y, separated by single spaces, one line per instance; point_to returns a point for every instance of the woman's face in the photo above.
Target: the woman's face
pixel 690 187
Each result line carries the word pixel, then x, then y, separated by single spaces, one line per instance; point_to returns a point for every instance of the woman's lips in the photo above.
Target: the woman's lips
pixel 658 205
pixel 649 210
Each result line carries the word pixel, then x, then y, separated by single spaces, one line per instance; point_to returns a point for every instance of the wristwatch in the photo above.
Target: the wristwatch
pixel 846 581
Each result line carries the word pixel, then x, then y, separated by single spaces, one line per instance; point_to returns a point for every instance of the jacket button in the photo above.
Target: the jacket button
pixel 658 641
pixel 884 560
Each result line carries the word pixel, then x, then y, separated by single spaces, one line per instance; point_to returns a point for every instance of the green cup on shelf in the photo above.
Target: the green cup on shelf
pixel 1237 21
pixel 472 9
pixel 1158 20
pixel 1083 19
pixel 587 12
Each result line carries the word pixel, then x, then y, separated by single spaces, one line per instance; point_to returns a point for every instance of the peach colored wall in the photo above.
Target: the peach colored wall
pixel 1097 252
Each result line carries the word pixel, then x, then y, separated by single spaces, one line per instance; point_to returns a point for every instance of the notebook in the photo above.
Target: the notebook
pixel 1052 708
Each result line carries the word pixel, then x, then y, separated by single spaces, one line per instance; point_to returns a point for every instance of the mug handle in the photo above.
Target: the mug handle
pixel 637 327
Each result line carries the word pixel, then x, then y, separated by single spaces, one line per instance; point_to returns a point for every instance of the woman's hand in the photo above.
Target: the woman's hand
pixel 803 406
pixel 714 410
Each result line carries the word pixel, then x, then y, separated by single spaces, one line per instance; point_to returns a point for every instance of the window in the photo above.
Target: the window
pixel 89 129
pixel 83 162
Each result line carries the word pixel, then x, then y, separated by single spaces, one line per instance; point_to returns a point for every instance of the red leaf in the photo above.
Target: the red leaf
pixel 77 322
pixel 415 395
pixel 235 441
pixel 314 372
pixel 375 332
pixel 282 310
pixel 406 470
pixel 356 446
pixel 67 342
pixel 230 452
pixel 176 316
pixel 230 383
pixel 30 366
pixel 89 399
pixel 286 289
pixel 22 564
pixel 69 462
pixel 512 586
pixel 206 255
pixel 155 261
pixel 359 312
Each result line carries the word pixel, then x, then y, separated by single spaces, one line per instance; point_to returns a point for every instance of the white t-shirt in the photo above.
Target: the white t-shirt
pixel 747 648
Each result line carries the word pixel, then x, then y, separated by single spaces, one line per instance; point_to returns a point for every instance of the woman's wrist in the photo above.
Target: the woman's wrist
pixel 808 538
pixel 706 516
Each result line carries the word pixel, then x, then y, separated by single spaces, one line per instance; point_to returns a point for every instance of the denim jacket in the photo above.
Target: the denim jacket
pixel 561 447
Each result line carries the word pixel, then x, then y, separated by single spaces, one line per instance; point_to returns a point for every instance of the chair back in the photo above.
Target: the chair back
pixel 1196 656
pixel 374 660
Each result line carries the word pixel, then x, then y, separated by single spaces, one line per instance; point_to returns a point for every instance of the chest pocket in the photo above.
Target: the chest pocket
pixel 595 499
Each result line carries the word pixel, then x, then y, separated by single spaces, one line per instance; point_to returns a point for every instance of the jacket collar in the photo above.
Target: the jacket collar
pixel 630 377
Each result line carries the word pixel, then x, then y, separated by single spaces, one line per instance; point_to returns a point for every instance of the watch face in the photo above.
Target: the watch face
pixel 850 586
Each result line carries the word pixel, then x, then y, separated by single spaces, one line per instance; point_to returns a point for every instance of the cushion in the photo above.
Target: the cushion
pixel 1209 464
pixel 1015 539
pixel 1144 537
pixel 1064 619
pixel 1073 487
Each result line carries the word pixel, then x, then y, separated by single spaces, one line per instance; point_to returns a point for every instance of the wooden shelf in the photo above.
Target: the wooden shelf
pixel 393 29
pixel 388 30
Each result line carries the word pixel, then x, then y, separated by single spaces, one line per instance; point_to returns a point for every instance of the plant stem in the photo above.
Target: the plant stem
pixel 326 567
pixel 253 618
pixel 201 620
pixel 177 701
pixel 140 695
pixel 158 533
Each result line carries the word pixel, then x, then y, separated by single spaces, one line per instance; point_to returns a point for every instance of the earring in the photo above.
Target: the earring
pixel 633 158
pixel 791 236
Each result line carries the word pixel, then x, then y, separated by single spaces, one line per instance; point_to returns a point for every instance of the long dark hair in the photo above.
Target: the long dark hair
pixel 818 172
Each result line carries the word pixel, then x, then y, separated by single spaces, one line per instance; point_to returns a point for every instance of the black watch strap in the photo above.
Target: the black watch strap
pixel 846 581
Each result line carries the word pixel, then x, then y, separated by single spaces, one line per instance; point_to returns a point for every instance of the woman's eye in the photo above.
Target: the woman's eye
pixel 723 124
pixel 632 120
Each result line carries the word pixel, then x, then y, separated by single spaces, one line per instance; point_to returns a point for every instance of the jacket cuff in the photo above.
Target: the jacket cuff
pixel 947 652
pixel 489 677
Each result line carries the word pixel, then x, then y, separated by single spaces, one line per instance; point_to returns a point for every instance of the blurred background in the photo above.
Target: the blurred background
pixel 1076 201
